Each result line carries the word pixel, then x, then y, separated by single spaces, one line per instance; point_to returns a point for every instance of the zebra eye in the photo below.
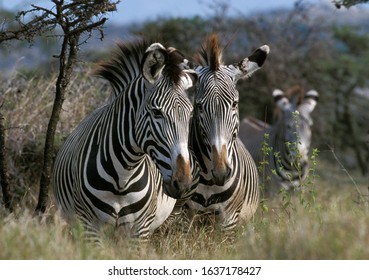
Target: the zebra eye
pixel 157 113
pixel 234 136
pixel 234 105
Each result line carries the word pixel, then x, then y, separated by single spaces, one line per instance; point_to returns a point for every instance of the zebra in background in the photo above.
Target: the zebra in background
pixel 289 138
pixel 228 188
pixel 126 163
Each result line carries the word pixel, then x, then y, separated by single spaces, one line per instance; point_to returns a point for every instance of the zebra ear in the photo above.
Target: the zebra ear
pixel 190 77
pixel 310 101
pixel 277 94
pixel 246 67
pixel 312 94
pixel 153 62
pixel 280 100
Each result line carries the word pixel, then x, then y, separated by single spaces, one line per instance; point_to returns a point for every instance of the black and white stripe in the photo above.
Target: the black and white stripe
pixel 127 162
pixel 228 180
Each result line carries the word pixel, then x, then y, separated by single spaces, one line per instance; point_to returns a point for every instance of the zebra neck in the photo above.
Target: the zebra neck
pixel 117 129
pixel 108 172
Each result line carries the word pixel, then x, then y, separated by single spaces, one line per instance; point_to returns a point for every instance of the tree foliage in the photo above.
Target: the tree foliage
pixel 348 3
pixel 346 75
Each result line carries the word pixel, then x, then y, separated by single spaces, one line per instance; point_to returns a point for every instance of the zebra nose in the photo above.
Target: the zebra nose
pixel 221 170
pixel 172 189
pixel 221 177
pixel 182 184
pixel 176 192
pixel 177 189
pixel 181 180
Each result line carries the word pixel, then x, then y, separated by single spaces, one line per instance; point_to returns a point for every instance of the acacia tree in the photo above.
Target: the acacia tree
pixel 71 19
pixel 348 3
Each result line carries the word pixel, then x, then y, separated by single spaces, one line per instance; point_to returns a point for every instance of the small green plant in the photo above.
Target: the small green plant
pixel 284 193
pixel 296 161
pixel 265 152
pixel 309 184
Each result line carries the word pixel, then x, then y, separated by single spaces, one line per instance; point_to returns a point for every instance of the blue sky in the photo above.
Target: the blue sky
pixel 139 10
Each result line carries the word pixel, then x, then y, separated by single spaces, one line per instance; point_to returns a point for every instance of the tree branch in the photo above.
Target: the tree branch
pixel 88 28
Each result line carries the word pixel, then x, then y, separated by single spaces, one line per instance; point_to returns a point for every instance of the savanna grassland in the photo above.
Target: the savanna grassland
pixel 328 220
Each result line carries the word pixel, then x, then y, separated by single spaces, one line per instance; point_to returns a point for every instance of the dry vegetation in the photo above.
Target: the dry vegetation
pixel 335 225
pixel 27 105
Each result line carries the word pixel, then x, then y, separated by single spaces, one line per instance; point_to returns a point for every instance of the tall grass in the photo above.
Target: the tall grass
pixel 339 229
pixel 27 104
pixel 334 226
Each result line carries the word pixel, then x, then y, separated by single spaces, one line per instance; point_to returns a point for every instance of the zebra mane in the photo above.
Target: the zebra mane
pixel 125 65
pixel 295 94
pixel 174 65
pixel 210 54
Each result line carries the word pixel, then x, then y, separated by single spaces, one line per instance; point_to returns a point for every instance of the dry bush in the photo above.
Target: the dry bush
pixel 27 106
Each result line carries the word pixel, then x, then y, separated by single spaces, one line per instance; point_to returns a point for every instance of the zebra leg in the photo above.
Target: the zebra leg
pixel 91 229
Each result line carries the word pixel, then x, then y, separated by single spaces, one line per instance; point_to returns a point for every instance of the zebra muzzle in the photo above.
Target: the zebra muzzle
pixel 181 181
pixel 220 178
pixel 221 170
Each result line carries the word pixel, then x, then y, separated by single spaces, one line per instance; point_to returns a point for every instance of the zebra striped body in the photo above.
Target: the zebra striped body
pixel 228 180
pixel 288 137
pixel 126 163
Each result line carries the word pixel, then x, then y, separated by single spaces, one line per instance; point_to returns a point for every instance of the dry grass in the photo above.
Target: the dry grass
pixel 334 226
pixel 27 105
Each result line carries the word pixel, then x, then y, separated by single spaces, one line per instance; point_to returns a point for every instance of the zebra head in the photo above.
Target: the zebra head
pixel 293 117
pixel 216 117
pixel 162 126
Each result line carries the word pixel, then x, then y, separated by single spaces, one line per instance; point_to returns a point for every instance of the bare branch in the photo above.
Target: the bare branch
pixel 47 11
pixel 74 17
pixel 89 27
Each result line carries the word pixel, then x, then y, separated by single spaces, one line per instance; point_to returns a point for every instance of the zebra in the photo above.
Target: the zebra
pixel 289 138
pixel 127 163
pixel 228 190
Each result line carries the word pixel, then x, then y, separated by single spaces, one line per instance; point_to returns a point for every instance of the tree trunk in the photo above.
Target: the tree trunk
pixel 4 175
pixel 67 58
